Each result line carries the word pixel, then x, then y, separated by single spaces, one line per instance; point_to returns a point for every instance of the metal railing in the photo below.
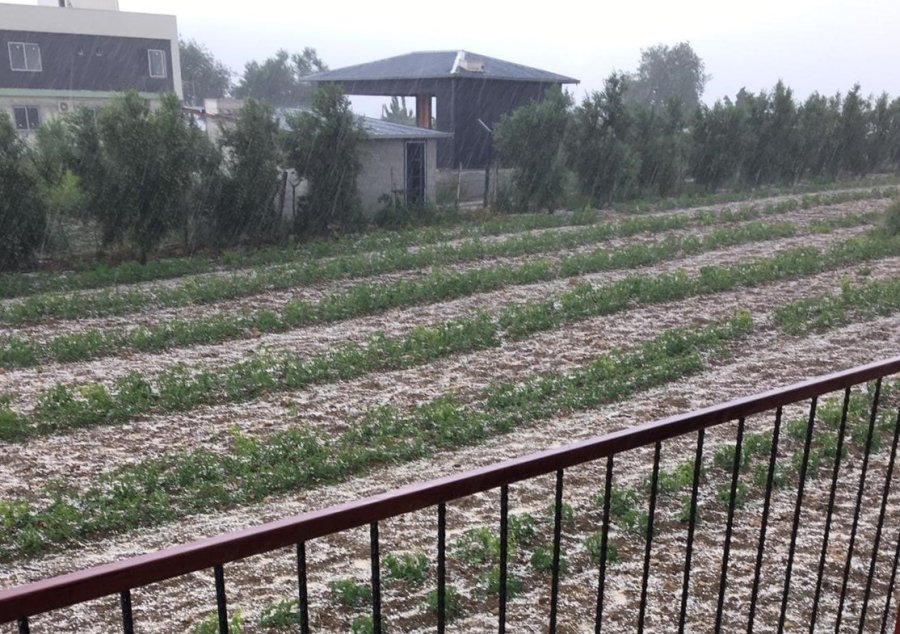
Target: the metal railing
pixel 21 603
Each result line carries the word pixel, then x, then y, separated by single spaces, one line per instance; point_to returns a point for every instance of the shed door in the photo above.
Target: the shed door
pixel 415 174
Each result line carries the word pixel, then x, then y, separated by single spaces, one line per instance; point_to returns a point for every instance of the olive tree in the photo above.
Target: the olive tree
pixel 530 140
pixel 22 213
pixel 323 146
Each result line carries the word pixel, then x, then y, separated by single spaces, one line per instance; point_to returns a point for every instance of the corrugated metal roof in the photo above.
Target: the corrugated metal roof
pixel 379 129
pixel 375 128
pixel 440 65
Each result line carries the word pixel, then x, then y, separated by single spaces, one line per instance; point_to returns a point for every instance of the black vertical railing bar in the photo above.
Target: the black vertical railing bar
pixel 127 617
pixel 873 415
pixel 376 577
pixel 890 590
pixel 221 603
pixel 604 545
pixel 504 554
pixel 839 448
pixel 877 543
pixel 557 543
pixel 442 568
pixel 729 524
pixel 764 521
pixel 692 522
pixel 654 482
pixel 302 591
pixel 23 626
pixel 798 509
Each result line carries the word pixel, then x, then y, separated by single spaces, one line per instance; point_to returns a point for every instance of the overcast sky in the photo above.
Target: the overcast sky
pixel 824 45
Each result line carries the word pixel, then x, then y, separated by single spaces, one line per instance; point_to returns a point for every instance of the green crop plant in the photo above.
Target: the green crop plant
pixel 160 490
pixel 350 593
pixel 477 546
pixel 892 218
pixel 411 568
pixel 522 530
pixel 102 274
pixel 831 310
pixel 542 560
pixel 364 625
pixel 684 511
pixel 518 320
pixel 491 583
pixel 593 545
pixel 723 494
pixel 281 615
pixel 567 515
pixel 210 625
pixel 452 606
pixel 219 288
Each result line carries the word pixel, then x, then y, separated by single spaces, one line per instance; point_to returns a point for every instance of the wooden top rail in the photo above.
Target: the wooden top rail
pixel 92 583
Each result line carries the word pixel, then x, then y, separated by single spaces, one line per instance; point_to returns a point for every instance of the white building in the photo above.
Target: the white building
pixel 62 54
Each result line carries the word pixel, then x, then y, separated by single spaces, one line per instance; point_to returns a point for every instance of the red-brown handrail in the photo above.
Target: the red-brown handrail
pixel 92 583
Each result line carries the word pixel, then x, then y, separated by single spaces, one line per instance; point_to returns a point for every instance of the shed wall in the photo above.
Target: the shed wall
pixel 384 171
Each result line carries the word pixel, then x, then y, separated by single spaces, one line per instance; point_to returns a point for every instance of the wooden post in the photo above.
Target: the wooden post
pixel 423 111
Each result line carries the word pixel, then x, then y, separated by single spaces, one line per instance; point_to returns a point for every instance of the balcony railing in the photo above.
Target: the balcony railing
pixel 870 594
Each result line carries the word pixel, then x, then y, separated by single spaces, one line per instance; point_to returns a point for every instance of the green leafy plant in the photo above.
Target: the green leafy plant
pixel 210 625
pixel 452 606
pixel 281 615
pixel 410 567
pixel 350 593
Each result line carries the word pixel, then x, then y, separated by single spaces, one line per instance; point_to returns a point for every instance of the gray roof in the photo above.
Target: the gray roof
pixel 439 65
pixel 375 128
pixel 379 129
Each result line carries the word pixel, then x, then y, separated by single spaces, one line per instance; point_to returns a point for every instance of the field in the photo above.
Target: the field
pixel 142 407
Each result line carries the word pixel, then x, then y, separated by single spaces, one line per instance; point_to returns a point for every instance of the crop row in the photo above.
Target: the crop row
pixel 177 389
pixel 474 556
pixel 367 299
pixel 161 490
pixel 353 259
pixel 851 304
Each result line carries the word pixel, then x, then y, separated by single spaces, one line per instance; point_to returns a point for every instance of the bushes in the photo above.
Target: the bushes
pixel 892 218
pixel 22 213
pixel 245 207
pixel 530 140
pixel 323 147
pixel 136 168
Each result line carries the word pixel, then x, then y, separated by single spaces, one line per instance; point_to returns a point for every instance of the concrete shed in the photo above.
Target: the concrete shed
pixel 398 161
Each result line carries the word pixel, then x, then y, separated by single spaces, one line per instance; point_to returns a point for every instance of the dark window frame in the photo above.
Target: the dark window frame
pixel 31 116
pixel 162 63
pixel 27 68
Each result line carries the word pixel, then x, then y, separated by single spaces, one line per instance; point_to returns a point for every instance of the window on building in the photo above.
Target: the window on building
pixel 25 56
pixel 157 63
pixel 27 117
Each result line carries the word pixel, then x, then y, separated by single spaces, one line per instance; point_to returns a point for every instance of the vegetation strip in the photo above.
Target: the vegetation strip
pixel 366 299
pixel 161 490
pixel 852 304
pixel 102 275
pixel 218 288
pixel 177 389
pixel 475 553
